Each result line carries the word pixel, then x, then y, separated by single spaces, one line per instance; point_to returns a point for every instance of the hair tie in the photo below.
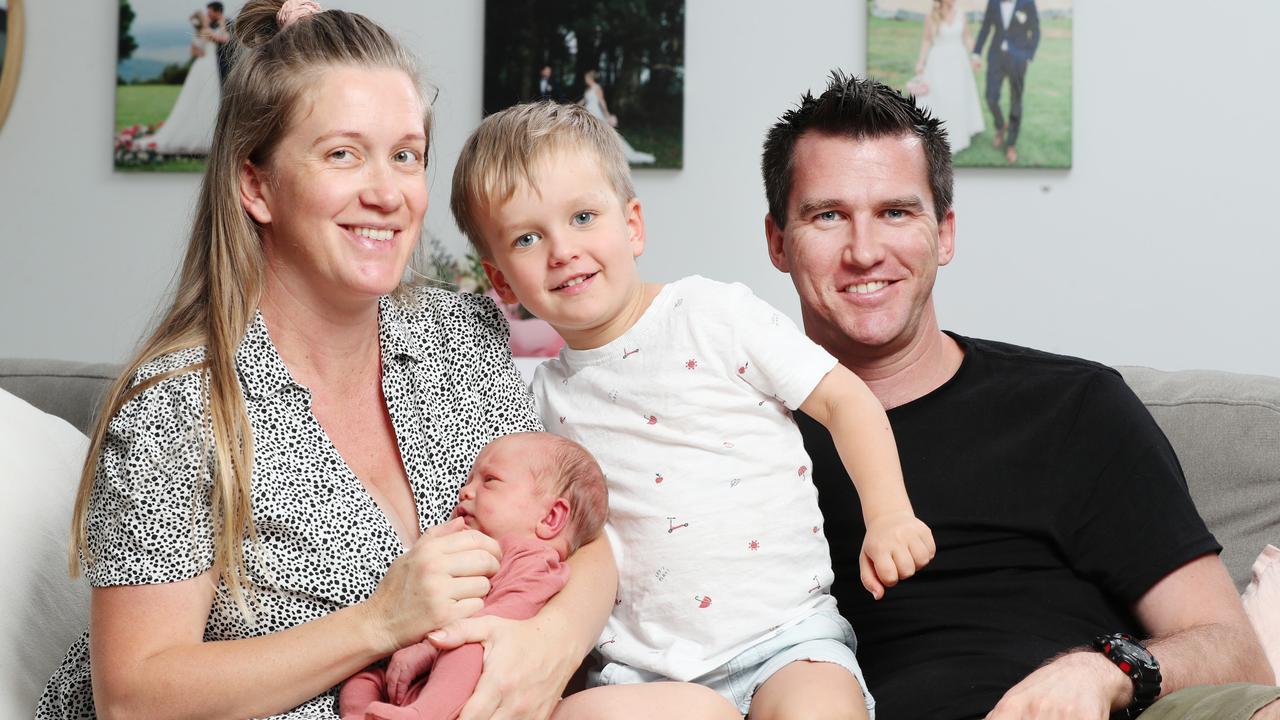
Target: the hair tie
pixel 294 10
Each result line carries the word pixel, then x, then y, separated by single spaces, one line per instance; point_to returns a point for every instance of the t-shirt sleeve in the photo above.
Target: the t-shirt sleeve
pixel 1135 522
pixel 770 353
pixel 149 518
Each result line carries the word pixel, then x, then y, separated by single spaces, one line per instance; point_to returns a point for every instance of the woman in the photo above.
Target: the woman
pixel 299 419
pixel 944 68
pixel 189 128
pixel 593 99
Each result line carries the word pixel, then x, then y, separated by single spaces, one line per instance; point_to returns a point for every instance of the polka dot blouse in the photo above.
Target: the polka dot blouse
pixel 323 543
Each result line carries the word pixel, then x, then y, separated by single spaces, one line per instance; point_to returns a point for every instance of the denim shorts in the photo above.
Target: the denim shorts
pixel 822 637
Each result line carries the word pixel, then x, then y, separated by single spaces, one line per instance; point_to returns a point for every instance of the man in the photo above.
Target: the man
pixel 1059 509
pixel 548 89
pixel 1014 26
pixel 220 34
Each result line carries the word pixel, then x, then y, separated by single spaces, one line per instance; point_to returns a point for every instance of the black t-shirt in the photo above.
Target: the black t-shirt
pixel 1056 502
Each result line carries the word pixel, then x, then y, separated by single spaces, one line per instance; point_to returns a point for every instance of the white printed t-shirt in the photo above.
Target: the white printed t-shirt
pixel 713 518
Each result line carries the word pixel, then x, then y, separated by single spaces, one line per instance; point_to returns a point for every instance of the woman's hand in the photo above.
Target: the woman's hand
pixel 441 579
pixel 919 68
pixel 526 666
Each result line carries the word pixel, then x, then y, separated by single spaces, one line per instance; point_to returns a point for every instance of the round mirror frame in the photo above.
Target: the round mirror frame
pixel 12 58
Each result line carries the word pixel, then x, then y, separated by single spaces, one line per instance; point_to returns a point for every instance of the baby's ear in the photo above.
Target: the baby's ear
pixel 553 522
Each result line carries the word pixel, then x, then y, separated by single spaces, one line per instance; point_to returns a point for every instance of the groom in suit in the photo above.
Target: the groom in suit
pixel 1014 26
pixel 220 34
pixel 548 88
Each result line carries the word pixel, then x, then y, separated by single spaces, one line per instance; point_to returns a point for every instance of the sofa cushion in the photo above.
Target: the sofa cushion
pixel 70 390
pixel 1225 428
pixel 44 611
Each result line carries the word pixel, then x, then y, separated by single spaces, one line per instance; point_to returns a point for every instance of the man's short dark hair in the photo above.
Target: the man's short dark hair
pixel 216 7
pixel 860 109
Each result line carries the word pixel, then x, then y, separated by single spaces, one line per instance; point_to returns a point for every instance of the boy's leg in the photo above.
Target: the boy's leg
pixel 646 701
pixel 812 690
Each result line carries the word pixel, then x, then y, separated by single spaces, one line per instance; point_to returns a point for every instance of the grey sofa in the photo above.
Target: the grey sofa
pixel 1225 428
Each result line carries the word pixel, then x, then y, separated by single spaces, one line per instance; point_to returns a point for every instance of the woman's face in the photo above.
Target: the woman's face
pixel 342 201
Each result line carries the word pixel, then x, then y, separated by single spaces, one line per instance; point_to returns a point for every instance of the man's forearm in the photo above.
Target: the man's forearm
pixel 1210 654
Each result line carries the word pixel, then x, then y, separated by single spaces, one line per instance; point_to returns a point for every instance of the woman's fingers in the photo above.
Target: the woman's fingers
pixel 461 632
pixel 469 587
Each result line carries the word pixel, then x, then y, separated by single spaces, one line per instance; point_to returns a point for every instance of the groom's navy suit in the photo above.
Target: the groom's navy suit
pixel 1011 49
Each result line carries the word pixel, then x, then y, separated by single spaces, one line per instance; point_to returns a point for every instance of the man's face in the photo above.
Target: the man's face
pixel 862 242
pixel 214 15
pixel 545 72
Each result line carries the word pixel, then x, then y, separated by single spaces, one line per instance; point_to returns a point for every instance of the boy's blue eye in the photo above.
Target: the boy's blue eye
pixel 583 217
pixel 528 240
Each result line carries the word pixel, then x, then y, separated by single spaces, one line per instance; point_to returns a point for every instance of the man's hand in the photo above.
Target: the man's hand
pixel 895 547
pixel 525 670
pixel 976 62
pixel 1080 685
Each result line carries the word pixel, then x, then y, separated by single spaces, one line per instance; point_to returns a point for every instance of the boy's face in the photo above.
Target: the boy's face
pixel 566 250
pixel 502 495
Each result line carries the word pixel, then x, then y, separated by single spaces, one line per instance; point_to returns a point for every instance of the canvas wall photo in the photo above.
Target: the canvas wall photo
pixel 4 32
pixel 997 72
pixel 621 59
pixel 172 57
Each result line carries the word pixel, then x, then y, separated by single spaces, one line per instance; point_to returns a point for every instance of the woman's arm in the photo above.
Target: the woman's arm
pixel 926 42
pixel 149 659
pixel 528 662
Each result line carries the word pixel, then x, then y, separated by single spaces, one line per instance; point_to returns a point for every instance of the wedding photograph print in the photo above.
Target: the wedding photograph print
pixel 170 64
pixel 621 59
pixel 996 72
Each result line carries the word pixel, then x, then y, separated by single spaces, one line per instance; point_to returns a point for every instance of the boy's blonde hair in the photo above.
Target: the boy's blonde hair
pixel 502 153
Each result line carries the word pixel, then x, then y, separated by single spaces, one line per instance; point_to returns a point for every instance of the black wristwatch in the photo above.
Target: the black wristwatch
pixel 1133 660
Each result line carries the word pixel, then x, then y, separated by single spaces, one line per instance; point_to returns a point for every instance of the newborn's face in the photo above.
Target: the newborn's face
pixel 501 496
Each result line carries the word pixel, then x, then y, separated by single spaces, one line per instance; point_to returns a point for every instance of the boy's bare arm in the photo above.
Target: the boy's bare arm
pixel 897 543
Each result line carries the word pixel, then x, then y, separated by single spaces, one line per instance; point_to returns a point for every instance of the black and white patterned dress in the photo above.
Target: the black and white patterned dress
pixel 324 544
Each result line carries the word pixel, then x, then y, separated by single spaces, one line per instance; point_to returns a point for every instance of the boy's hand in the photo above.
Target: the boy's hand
pixel 408 664
pixel 895 547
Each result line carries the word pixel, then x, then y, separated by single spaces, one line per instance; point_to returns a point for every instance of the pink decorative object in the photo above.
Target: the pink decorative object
pixel 294 10
pixel 917 86
pixel 530 337
pixel 1262 604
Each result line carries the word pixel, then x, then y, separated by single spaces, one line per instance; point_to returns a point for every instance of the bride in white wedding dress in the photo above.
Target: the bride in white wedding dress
pixel 593 99
pixel 189 128
pixel 944 67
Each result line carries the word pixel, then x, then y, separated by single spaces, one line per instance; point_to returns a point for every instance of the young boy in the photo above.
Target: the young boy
pixel 684 394
pixel 542 497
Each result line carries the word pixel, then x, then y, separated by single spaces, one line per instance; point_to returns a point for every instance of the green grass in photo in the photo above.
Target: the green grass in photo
pixel 147 105
pixel 144 104
pixel 663 142
pixel 1044 140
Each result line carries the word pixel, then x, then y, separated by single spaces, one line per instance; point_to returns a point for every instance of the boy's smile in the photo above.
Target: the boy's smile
pixel 566 250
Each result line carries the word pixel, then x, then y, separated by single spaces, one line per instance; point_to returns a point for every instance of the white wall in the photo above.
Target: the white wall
pixel 1157 248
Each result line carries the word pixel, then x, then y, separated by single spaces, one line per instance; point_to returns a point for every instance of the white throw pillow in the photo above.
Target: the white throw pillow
pixel 41 610
pixel 1262 604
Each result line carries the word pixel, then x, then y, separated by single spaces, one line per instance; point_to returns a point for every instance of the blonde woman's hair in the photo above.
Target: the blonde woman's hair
pixel 502 155
pixel 219 284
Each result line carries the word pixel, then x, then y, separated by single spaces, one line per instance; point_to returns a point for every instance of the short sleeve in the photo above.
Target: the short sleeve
pixel 499 382
pixel 149 517
pixel 1133 521
pixel 771 353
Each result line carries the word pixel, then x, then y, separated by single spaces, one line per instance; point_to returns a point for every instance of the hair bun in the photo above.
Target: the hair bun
pixel 256 24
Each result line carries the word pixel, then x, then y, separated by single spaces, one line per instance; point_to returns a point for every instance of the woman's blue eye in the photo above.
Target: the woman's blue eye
pixel 340 154
pixel 528 240
pixel 583 218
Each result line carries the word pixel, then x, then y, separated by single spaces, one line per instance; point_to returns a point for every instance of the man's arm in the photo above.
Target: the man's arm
pixel 988 22
pixel 1200 635
pixel 1033 19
